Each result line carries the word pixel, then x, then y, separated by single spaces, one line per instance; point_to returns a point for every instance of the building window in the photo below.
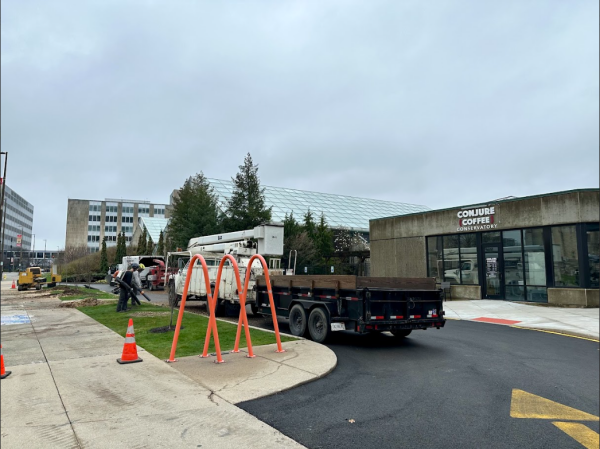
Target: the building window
pixel 535 264
pixel 513 265
pixel 564 256
pixel 434 256
pixel 469 273
pixel 451 259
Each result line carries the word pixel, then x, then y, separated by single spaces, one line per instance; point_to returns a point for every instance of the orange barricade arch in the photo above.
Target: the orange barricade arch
pixel 211 305
pixel 243 306
pixel 241 295
pixel 212 301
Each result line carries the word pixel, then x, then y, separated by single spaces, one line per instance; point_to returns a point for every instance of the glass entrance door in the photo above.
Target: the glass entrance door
pixel 493 285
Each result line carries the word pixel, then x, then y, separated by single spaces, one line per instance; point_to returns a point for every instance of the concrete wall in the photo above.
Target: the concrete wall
pixel 77 223
pixel 465 292
pixel 394 247
pixel 578 297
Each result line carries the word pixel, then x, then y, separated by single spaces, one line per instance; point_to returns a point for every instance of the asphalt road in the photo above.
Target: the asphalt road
pixel 448 388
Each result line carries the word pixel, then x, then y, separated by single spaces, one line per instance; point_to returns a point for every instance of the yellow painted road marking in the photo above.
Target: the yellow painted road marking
pixel 558 333
pixel 580 433
pixel 527 405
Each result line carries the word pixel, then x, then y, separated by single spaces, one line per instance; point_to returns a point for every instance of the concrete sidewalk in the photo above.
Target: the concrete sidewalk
pixel 67 390
pixel 570 321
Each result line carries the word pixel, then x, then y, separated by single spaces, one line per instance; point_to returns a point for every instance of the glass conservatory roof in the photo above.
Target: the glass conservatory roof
pixel 340 211
pixel 154 226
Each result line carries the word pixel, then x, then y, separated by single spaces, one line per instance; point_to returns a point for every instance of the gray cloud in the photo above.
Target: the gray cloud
pixel 439 103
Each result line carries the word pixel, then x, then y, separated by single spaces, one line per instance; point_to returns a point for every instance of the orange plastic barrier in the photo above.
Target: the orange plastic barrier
pixel 212 302
pixel 211 305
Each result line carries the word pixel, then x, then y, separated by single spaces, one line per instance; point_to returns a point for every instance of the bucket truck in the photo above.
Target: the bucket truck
pixel 266 240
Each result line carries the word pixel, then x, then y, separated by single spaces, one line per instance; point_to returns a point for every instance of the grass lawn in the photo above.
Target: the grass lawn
pixel 191 337
pixel 68 293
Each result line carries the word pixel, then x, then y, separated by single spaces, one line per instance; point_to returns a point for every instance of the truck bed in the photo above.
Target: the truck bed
pixel 362 304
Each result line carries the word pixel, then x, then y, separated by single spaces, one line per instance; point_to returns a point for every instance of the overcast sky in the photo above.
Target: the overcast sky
pixel 440 103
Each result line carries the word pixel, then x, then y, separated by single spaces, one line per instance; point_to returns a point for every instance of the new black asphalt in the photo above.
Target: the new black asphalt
pixel 448 388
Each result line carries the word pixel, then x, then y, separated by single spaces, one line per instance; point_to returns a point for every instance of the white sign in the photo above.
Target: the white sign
pixel 476 219
pixel 332 268
pixel 338 326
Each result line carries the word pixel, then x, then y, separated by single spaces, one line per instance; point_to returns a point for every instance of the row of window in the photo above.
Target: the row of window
pixel 160 211
pixel 110 229
pixel 94 218
pixel 97 228
pixel 18 200
pixel 24 224
pixel 111 219
pixel 127 209
pixel 126 219
pixel 95 208
pixel 520 257
pixel 143 210
pixel 109 238
pixel 20 212
pixel 112 209
pixel 93 228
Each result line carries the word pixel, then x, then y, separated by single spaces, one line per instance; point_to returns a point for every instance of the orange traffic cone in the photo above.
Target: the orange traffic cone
pixel 14 286
pixel 3 372
pixel 129 348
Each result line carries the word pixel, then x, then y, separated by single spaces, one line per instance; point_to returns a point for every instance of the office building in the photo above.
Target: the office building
pixel 542 248
pixel 89 221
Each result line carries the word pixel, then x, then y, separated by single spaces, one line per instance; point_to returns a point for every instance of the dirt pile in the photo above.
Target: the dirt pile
pixel 87 302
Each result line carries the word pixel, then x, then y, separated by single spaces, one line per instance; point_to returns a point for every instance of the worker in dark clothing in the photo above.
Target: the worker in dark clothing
pixel 136 283
pixel 124 293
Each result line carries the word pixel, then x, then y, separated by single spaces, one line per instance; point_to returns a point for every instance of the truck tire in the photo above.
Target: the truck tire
pixel 38 287
pixel 402 333
pixel 220 308
pixel 173 296
pixel 254 309
pixel 19 287
pixel 318 325
pixel 151 286
pixel 298 320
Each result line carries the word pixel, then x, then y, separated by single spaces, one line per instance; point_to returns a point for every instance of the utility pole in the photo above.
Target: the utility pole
pixel 21 257
pixel 2 213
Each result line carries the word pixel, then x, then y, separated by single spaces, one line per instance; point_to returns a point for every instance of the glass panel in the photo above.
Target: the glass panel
pixel 468 259
pixel 434 245
pixel 513 259
pixel 593 247
pixel 535 264
pixel 451 259
pixel 492 275
pixel 564 256
pixel 537 294
pixel 515 292
pixel 490 237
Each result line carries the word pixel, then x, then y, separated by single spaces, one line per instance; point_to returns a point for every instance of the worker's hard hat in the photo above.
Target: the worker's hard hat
pixel 142 266
pixel 135 266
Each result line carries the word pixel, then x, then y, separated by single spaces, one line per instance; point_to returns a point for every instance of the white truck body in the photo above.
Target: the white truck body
pixel 240 245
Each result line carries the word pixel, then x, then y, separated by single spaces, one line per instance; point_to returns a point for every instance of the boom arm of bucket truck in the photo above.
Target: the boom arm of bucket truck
pixel 269 239
pixel 266 240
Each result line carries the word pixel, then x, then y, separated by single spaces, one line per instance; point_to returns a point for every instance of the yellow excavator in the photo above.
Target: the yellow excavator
pixel 33 277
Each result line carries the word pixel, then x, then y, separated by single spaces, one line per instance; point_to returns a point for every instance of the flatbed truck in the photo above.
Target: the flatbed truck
pixel 319 305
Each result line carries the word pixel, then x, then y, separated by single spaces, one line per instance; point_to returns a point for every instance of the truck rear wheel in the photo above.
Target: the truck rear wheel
pixel 38 287
pixel 401 333
pixel 318 325
pixel 298 320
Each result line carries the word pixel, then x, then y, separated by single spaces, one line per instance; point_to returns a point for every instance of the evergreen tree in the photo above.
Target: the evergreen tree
pixel 195 212
pixel 290 226
pixel 160 248
pixel 324 239
pixel 309 225
pixel 103 257
pixel 141 244
pixel 121 248
pixel 246 208
pixel 149 246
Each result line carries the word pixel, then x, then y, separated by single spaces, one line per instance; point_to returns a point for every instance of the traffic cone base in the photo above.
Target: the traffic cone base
pixel 3 372
pixel 129 348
